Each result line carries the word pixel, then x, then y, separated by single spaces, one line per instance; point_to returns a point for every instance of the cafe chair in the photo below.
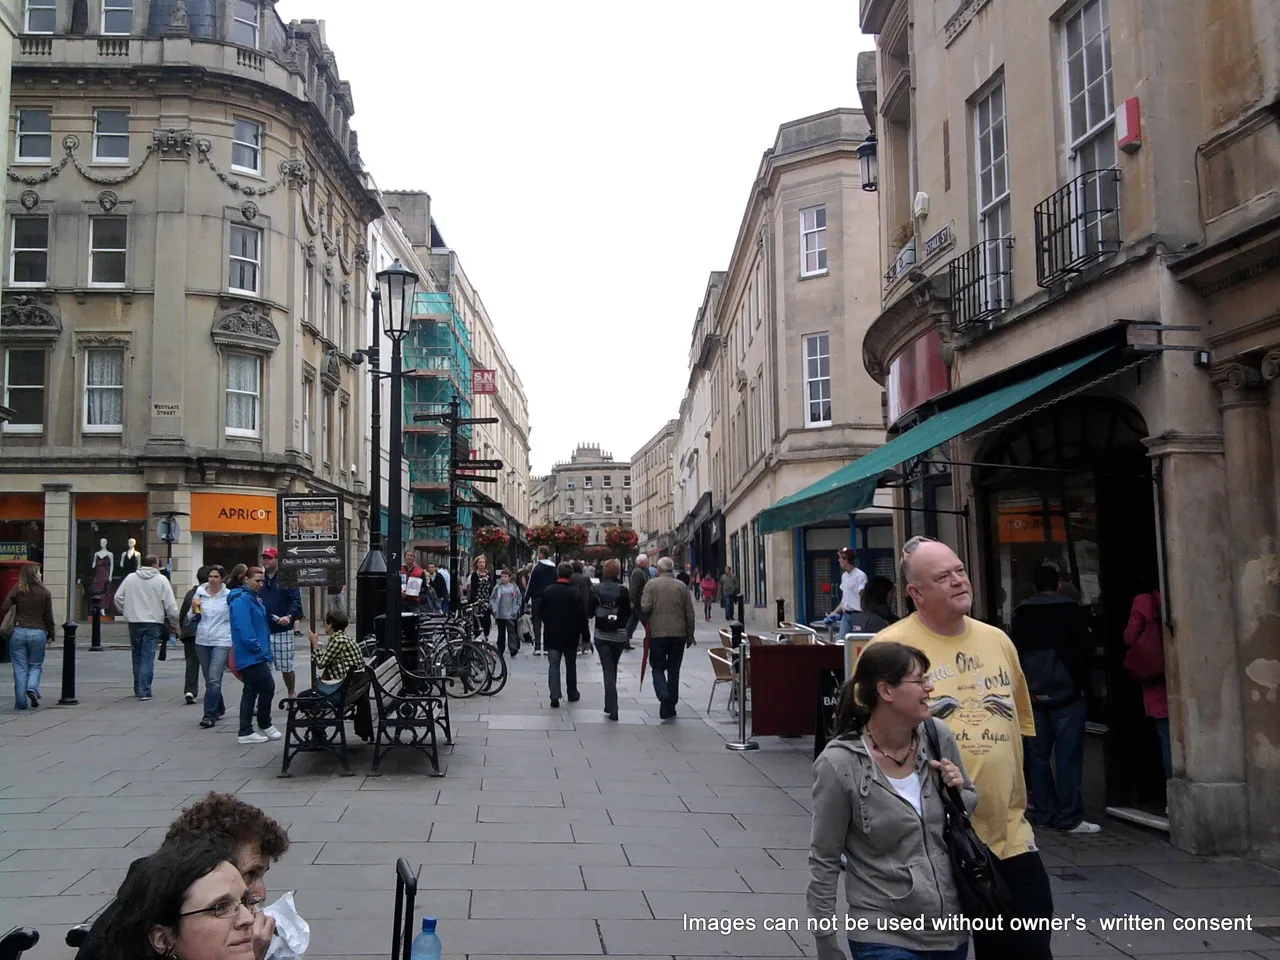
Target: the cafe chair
pixel 726 637
pixel 722 664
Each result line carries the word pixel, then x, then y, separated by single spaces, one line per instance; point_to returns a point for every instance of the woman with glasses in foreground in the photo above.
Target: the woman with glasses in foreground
pixel 184 902
pixel 876 802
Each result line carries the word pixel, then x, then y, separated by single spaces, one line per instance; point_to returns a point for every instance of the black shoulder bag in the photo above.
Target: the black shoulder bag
pixel 976 869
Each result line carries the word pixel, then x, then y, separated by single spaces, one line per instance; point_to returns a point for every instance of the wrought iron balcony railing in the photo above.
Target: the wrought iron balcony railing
pixel 1077 224
pixel 981 281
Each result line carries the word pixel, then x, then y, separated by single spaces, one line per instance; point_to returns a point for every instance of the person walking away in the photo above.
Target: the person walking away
pixel 1144 635
pixel 413 580
pixel 668 610
pixel 506 602
pixel 284 610
pixel 684 577
pixel 636 583
pixel 877 806
pixel 146 600
pixel 33 631
pixel 728 590
pixel 187 633
pixel 708 586
pixel 852 582
pixel 479 591
pixel 563 613
pixel 440 583
pixel 981 693
pixel 1050 631
pixel 541 577
pixel 337 660
pixel 212 621
pixel 590 601
pixel 612 614
pixel 251 641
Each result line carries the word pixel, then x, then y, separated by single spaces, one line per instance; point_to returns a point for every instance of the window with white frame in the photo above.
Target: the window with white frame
pixel 42 16
pixel 244 395
pixel 244 23
pixel 344 312
pixel 29 252
pixel 626 479
pixel 24 388
pixel 35 135
pixel 108 251
pixel 1091 118
pixel 326 319
pixel 817 380
pixel 111 135
pixel 813 241
pixel 246 146
pixel 626 503
pixel 117 17
pixel 245 263
pixel 608 504
pixel 571 485
pixel 308 385
pixel 586 481
pixel 753 412
pixel 306 294
pixel 326 429
pixel 103 391
pixel 759 295
pixel 589 506
pixel 571 505
pixel 994 211
pixel 343 463
pixel 607 480
pixel 761 407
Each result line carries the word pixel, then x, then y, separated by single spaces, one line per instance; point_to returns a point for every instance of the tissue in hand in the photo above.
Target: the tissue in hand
pixel 292 936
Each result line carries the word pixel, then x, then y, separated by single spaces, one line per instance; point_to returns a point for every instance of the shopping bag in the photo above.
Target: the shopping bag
pixel 231 663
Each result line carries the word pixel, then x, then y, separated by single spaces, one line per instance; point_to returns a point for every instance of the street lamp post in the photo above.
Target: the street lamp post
pixel 397 285
pixel 371 578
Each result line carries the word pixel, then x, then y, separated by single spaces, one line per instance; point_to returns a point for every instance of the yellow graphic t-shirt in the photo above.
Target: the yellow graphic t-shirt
pixel 981 694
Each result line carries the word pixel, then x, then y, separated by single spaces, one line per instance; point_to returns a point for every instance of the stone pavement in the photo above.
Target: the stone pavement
pixel 553 833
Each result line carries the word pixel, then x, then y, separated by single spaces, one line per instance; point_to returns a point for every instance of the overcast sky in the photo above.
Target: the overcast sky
pixel 590 163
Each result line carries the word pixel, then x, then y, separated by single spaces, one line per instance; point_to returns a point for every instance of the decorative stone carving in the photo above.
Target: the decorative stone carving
pixel 309 253
pixel 248 326
pixel 108 200
pixel 296 172
pixel 24 319
pixel 961 18
pixel 344 291
pixel 103 340
pixel 332 372
pixel 1239 376
pixel 29 200
pixel 249 210
pixel 328 272
pixel 178 20
pixel 362 256
pixel 330 247
pixel 172 143
pixel 1270 365
pixel 343 259
pixel 311 223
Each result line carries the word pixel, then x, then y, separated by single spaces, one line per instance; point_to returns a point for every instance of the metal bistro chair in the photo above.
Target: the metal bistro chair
pixel 722 664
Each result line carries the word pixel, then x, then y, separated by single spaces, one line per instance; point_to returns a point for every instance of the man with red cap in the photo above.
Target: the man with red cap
pixel 284 609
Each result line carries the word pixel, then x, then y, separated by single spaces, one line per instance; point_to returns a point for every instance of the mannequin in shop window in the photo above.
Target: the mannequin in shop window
pixel 130 559
pixel 104 566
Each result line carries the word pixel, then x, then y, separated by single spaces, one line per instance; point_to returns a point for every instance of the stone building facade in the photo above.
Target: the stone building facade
pixel 653 516
pixel 185 223
pixel 590 488
pixel 1080 228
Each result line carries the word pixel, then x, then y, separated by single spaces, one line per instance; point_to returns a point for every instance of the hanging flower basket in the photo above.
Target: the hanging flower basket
pixel 621 540
pixel 492 538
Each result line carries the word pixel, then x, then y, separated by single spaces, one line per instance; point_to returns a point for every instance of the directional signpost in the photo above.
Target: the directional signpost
pixel 313 549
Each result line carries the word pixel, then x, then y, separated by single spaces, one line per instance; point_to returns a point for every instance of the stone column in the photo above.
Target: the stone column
pixel 1207 803
pixel 58 572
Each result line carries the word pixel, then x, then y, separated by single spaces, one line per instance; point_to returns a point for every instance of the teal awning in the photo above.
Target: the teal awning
pixel 853 486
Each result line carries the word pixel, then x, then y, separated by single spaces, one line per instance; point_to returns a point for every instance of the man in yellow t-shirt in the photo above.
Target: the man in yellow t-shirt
pixel 981 694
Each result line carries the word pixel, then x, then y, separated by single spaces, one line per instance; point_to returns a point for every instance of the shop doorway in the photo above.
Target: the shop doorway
pixel 1073 487
pixel 228 549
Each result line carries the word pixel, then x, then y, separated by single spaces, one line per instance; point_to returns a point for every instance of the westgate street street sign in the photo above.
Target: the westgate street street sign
pixel 312 541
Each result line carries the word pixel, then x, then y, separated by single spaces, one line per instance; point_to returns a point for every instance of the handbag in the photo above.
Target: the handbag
pixel 983 893
pixel 525 627
pixel 231 663
pixel 10 622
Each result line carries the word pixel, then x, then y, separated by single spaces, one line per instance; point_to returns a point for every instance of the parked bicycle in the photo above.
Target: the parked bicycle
pixel 452 645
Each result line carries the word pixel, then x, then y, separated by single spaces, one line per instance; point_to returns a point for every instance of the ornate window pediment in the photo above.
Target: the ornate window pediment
pixel 22 318
pixel 247 327
pixel 331 372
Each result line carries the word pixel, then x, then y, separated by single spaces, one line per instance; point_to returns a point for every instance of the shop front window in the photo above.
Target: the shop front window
pixel 22 540
pixel 103 559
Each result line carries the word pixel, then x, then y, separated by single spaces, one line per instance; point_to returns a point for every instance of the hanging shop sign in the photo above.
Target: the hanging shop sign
pixel 312 544
pixel 484 381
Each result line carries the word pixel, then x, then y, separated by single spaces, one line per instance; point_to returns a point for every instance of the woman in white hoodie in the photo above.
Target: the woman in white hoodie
pixel 212 620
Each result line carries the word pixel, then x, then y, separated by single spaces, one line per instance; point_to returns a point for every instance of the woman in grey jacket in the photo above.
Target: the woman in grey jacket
pixel 875 801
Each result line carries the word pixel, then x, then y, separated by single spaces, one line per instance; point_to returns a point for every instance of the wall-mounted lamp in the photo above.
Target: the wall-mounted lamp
pixel 870 166
pixel 1202 358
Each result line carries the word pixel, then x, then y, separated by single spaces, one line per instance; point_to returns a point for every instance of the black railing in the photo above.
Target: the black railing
pixel 1077 224
pixel 981 284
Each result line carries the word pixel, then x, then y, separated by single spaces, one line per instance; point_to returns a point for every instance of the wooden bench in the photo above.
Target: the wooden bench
pixel 410 708
pixel 315 724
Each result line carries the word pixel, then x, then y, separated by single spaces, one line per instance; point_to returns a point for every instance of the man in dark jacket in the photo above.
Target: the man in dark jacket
pixel 563 615
pixel 590 601
pixel 191 686
pixel 543 575
pixel 284 609
pixel 1051 634
pixel 636 583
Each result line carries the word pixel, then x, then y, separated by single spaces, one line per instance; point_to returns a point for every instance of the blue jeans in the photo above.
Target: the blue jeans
pixel 144 639
pixel 213 664
pixel 1059 733
pixel 885 951
pixel 846 622
pixel 1166 751
pixel 665 657
pixel 26 650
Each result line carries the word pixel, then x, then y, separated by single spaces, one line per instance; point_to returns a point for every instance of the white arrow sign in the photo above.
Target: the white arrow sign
pixel 307 551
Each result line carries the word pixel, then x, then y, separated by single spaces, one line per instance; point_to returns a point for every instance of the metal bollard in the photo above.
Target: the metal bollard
pixel 68 698
pixel 782 610
pixel 95 638
pixel 742 614
pixel 740 648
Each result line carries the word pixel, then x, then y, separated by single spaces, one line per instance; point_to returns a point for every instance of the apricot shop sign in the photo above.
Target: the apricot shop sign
pixel 233 513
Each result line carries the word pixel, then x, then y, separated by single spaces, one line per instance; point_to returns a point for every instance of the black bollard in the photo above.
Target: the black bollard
pixel 68 698
pixel 782 610
pixel 742 616
pixel 95 638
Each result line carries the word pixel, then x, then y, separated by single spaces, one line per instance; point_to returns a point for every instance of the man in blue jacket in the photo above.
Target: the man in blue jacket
pixel 251 646
pixel 284 608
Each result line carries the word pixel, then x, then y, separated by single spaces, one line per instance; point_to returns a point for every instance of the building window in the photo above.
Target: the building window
pixel 35 135
pixel 817 380
pixel 1091 119
pixel 246 259
pixel 607 480
pixel 326 431
pixel 117 17
pixel 307 387
pixel 608 504
pixel 758 540
pixel 759 288
pixel 589 506
pixel 24 390
pixel 108 243
pixel 626 504
pixel 813 241
pixel 306 294
pixel 325 318
pixel 103 391
pixel 754 413
pixel 343 464
pixel 244 24
pixel 42 16
pixel 994 221
pixel 586 481
pixel 246 146
pixel 244 395
pixel 29 256
pixel 571 505
pixel 626 479
pixel 343 320
pixel 111 136
pixel 571 485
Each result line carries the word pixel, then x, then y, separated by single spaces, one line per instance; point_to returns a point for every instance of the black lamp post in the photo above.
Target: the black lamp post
pixel 371 578
pixel 397 286
pixel 870 165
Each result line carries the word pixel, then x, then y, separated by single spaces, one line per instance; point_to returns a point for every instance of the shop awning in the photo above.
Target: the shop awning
pixel 853 486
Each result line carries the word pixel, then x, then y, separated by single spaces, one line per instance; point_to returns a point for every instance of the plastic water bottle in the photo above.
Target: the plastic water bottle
pixel 426 945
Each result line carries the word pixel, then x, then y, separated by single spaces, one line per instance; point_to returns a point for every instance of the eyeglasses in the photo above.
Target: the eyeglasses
pixel 922 681
pixel 224 909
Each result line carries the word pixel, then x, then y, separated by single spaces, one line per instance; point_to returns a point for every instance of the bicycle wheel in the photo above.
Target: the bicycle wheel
pixel 466 664
pixel 497 671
